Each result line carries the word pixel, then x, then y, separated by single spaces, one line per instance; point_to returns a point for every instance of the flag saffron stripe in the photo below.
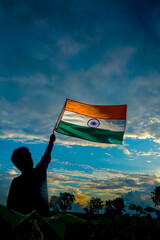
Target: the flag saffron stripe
pixel 97 111
pixel 81 120
pixel 90 134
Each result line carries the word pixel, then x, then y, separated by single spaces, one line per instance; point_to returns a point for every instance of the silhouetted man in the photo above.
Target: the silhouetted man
pixel 29 190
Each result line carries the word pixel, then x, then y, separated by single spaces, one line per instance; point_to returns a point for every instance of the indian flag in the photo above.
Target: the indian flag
pixel 97 123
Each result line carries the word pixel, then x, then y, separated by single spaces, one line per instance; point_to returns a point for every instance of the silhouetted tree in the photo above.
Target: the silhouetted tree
pixel 138 209
pixel 118 204
pixel 114 206
pixel 86 210
pixel 54 203
pixel 155 196
pixel 109 209
pixel 149 209
pixel 65 201
pixel 94 205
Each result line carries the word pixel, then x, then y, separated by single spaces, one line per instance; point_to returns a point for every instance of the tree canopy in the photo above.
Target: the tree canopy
pixel 63 202
pixel 114 206
pixel 155 196
pixel 94 205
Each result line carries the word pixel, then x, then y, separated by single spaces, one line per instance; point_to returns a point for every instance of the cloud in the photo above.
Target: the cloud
pixel 69 46
pixel 127 152
pixel 107 54
pixel 13 172
pixel 138 198
pixel 102 182
pixel 32 107
pixel 79 196
pixel 146 154
pixel 5 181
pixel 34 104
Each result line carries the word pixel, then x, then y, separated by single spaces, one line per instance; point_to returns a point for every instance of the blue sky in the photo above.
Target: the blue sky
pixel 96 52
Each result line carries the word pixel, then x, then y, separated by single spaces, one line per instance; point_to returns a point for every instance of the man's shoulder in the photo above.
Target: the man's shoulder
pixel 23 177
pixel 17 178
pixel 41 166
pixel 16 181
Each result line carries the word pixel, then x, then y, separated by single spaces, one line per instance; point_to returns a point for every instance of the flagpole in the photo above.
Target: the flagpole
pixel 60 117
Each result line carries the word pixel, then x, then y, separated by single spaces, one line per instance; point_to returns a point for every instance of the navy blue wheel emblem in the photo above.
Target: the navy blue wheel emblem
pixel 93 122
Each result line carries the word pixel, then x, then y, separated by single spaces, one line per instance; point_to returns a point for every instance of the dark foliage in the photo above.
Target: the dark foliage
pixel 155 196
pixel 116 228
pixel 94 205
pixel 113 207
pixel 77 227
pixel 63 202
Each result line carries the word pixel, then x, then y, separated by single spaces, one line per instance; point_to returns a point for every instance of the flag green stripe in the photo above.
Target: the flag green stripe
pixel 90 134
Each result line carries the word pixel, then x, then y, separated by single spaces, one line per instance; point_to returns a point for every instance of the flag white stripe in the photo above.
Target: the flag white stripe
pixel 81 120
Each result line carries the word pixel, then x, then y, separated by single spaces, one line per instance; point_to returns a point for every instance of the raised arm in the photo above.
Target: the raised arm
pixel 47 155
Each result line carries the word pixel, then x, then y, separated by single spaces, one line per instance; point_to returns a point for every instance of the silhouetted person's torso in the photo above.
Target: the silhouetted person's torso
pixel 29 190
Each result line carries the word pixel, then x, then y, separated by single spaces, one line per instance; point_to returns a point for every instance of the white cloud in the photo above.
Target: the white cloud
pixel 104 182
pixel 147 154
pixel 108 154
pixel 77 56
pixel 36 109
pixel 127 152
pixel 68 46
pixel 138 198
pixel 13 172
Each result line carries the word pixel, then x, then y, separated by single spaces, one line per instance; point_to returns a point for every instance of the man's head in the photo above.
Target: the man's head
pixel 22 159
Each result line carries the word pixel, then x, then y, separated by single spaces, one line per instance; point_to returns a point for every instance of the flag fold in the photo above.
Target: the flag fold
pixel 97 123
